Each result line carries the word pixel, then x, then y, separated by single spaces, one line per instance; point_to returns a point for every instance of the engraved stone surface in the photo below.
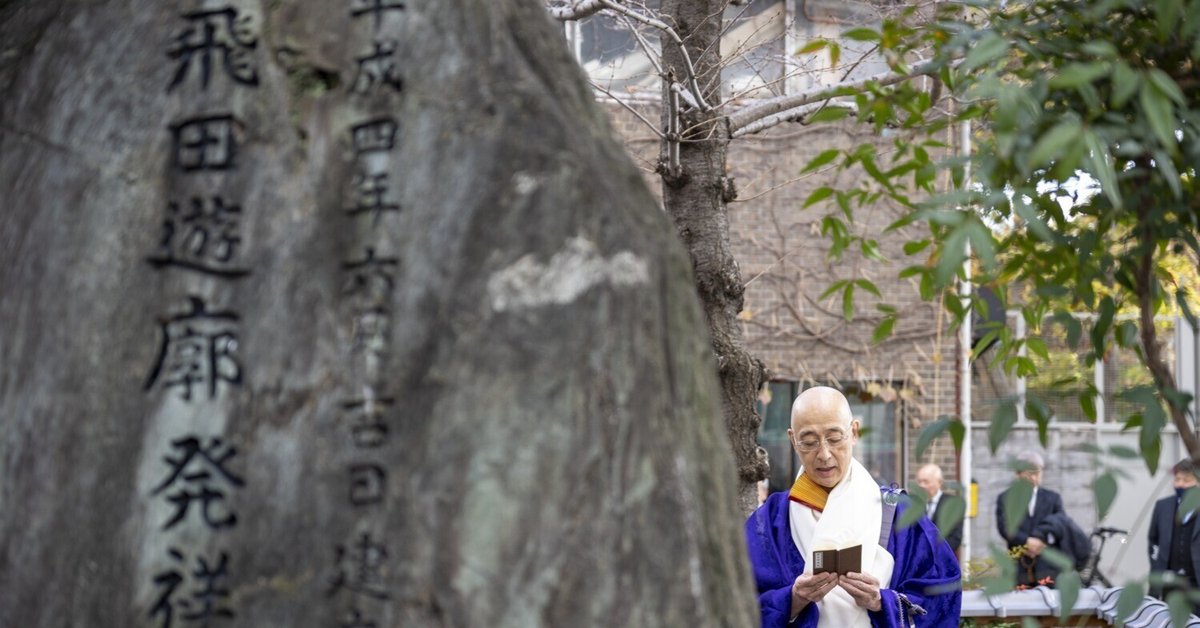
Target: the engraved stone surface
pixel 342 314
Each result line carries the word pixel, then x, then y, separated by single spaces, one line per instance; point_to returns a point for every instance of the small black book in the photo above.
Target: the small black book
pixel 841 561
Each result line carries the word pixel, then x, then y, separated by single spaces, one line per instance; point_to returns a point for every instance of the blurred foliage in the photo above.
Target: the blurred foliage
pixel 1082 193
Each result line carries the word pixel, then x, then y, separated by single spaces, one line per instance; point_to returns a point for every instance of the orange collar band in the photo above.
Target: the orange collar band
pixel 809 493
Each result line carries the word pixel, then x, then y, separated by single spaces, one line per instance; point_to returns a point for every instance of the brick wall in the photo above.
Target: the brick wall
pixel 784 261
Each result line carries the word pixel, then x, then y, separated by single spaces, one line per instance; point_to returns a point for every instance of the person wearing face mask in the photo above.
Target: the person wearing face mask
pixel 908 575
pixel 1174 537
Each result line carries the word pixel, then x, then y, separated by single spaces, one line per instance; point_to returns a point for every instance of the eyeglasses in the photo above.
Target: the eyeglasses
pixel 809 443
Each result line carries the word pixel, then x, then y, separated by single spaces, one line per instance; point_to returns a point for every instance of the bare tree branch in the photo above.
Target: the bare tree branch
pixel 744 117
pixel 791 115
pixel 567 11
pixel 635 112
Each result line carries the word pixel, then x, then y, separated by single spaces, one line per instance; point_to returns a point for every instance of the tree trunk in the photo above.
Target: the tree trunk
pixel 358 316
pixel 695 194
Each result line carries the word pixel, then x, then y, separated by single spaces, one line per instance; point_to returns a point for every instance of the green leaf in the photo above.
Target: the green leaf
pixel 835 53
pixel 1087 402
pixel 868 285
pixel 1003 420
pixel 818 195
pixel 1052 143
pixel 883 330
pixel 823 158
pixel 953 253
pixel 986 50
pixel 1103 322
pixel 870 250
pixel 1167 20
pixel 1190 501
pixel 984 343
pixel 1167 86
pixel 930 432
pixel 1105 489
pixel 833 287
pixel 1125 85
pixel 958 431
pixel 950 513
pixel 848 302
pixel 1151 450
pixel 1037 410
pixel 916 508
pixel 916 246
pixel 1169 172
pixel 1038 347
pixel 1159 114
pixel 1007 578
pixel 1123 451
pixel 1016 504
pixel 1181 299
pixel 813 46
pixel 1130 599
pixel 1102 167
pixel 861 34
pixel 1074 75
pixel 829 114
pixel 1074 330
pixel 1127 334
pixel 1181 608
pixel 1068 585
pixel 982 242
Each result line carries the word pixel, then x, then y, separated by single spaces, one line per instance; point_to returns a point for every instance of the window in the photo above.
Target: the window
pixel 755 44
pixel 609 50
pixel 612 49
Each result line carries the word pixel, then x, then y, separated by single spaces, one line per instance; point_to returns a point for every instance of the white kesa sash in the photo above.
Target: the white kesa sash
pixel 852 516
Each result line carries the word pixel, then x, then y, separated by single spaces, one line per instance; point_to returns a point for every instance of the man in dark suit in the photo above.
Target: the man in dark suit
pixel 929 478
pixel 1174 537
pixel 1031 567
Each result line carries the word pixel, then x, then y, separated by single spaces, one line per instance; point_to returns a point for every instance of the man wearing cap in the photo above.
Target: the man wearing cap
pixel 1032 567
pixel 907 576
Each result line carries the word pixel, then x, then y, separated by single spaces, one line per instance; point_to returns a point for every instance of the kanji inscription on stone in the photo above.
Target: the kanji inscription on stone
pixel 199 474
pixel 205 142
pixel 201 235
pixel 378 134
pixel 375 8
pixel 198 349
pixel 378 68
pixel 215 36
pixel 203 602
pixel 361 568
pixel 368 426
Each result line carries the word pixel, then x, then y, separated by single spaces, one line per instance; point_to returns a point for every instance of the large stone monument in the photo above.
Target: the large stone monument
pixel 342 314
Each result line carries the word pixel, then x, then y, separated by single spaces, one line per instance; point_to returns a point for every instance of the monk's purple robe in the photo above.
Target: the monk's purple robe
pixel 926 576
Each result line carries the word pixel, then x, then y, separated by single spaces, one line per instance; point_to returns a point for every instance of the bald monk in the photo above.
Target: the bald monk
pixel 909 576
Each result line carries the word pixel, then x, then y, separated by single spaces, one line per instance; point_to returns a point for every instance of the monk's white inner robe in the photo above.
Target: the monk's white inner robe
pixel 852 516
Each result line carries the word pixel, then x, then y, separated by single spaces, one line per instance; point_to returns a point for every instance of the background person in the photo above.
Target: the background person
pixel 929 478
pixel 1032 568
pixel 1174 544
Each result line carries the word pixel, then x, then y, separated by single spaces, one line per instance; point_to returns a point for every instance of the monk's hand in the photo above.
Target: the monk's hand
pixel 864 588
pixel 808 588
pixel 1034 546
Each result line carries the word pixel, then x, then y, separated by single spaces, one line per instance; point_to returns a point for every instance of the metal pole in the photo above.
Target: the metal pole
pixel 964 375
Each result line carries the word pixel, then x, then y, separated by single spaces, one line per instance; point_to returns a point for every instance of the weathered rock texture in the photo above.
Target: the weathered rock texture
pixel 492 405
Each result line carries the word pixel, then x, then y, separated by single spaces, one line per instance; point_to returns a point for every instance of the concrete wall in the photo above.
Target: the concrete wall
pixel 1070 471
